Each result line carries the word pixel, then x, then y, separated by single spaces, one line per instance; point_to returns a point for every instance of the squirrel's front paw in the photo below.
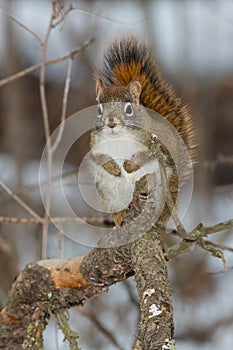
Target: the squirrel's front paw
pixel 130 166
pixel 112 168
pixel 118 218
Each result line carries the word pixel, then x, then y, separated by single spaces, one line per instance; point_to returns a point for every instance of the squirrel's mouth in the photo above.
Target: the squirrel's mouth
pixel 113 130
pixel 112 124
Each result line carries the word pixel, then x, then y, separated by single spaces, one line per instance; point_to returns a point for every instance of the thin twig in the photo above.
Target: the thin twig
pixel 222 226
pixel 54 220
pixel 96 14
pixel 59 137
pixel 217 253
pixel 55 178
pixel 64 107
pixel 8 14
pixel 22 203
pixel 33 68
pixel 47 138
pixel 220 246
pixel 92 317
pixel 71 336
pixel 198 233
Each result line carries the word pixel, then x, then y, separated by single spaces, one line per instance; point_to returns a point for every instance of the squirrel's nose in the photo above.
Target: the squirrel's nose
pixel 111 123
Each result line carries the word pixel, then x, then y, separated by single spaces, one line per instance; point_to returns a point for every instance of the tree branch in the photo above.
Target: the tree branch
pixel 53 285
pixel 193 237
pixel 21 203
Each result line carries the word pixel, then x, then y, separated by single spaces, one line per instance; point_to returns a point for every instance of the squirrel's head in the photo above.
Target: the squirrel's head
pixel 115 105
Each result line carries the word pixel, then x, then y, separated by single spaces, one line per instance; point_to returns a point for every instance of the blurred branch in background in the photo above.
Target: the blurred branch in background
pixel 8 268
pixel 90 314
pixel 220 159
pixel 30 70
pixel 50 148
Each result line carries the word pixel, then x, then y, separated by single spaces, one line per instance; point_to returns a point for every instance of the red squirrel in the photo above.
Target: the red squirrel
pixel 121 154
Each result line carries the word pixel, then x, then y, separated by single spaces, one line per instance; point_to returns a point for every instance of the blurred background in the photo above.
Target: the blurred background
pixel 192 41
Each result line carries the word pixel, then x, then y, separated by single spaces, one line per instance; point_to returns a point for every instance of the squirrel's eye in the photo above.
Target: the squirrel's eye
pixel 128 109
pixel 100 110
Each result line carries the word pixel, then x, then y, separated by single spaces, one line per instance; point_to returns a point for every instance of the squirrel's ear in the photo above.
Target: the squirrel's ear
pixel 135 90
pixel 99 88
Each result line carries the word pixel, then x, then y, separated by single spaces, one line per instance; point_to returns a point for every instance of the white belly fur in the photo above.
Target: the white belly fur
pixel 117 192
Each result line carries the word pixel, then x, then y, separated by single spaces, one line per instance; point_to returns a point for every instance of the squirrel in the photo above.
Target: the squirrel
pixel 121 155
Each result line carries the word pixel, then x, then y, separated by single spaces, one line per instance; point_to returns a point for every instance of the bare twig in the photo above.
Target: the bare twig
pixel 198 233
pixel 215 252
pixel 22 203
pixel 71 336
pixel 96 14
pixel 55 178
pixel 12 220
pixel 205 230
pixel 8 14
pixel 59 137
pixel 44 221
pixel 64 106
pixel 220 246
pixel 33 68
pixel 55 220
pixel 92 317
pixel 47 138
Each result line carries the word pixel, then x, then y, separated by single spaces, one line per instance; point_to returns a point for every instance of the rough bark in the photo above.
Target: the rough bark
pixel 156 328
